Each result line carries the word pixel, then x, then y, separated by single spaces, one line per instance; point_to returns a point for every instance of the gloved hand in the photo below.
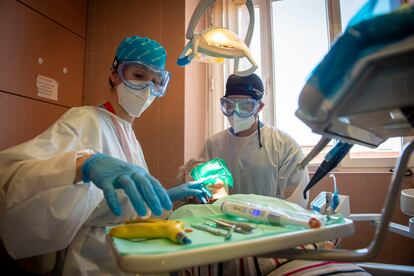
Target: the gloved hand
pixel 109 173
pixel 192 188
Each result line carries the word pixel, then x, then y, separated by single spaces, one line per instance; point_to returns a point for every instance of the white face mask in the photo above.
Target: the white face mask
pixel 239 124
pixel 134 102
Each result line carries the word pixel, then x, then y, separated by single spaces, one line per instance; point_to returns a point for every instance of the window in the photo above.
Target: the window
pixel 296 34
pixel 300 40
pixel 349 7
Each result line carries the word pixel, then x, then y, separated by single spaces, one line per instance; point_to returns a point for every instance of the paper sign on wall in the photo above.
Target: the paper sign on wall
pixel 47 87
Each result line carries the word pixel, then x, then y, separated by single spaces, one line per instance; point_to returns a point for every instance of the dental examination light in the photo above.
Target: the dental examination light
pixel 215 44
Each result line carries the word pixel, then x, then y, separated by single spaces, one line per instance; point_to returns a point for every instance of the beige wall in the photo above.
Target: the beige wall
pixel 173 128
pixel 367 194
pixel 195 96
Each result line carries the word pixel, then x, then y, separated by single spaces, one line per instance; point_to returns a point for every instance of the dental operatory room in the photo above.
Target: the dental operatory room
pixel 207 137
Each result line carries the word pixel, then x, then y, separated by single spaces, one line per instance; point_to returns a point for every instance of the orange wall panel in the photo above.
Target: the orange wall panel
pixel 69 13
pixel 28 36
pixel 22 119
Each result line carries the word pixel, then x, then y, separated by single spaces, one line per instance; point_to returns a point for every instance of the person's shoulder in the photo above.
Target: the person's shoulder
pixel 82 112
pixel 82 116
pixel 279 135
pixel 219 135
pixel 79 111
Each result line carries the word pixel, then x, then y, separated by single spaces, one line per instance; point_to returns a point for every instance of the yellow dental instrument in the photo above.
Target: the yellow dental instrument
pixel 151 228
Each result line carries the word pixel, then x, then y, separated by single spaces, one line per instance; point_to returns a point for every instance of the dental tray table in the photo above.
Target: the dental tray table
pixel 161 255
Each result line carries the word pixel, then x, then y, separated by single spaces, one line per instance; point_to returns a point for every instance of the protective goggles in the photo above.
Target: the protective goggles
pixel 242 107
pixel 137 75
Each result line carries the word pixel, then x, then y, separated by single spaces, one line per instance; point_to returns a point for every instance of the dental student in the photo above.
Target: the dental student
pixel 262 159
pixel 87 170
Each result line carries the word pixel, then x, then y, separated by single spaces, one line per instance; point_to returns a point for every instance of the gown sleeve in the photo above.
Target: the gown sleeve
pixel 41 209
pixel 292 180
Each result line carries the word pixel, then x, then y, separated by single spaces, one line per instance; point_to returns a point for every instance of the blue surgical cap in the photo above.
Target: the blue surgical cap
pixel 142 49
pixel 250 85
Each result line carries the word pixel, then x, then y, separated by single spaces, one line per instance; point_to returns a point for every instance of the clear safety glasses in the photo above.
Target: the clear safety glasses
pixel 242 107
pixel 136 75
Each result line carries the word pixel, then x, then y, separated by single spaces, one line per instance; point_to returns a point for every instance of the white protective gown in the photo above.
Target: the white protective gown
pixel 269 171
pixel 43 211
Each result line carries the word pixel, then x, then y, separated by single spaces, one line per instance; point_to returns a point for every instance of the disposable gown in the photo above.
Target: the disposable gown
pixel 42 210
pixel 269 171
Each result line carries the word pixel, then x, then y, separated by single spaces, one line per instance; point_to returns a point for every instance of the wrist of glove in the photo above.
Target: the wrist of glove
pixel 109 173
pixel 192 188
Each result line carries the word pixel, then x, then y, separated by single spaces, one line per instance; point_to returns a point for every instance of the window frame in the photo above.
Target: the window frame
pixel 269 113
pixel 334 28
pixel 218 74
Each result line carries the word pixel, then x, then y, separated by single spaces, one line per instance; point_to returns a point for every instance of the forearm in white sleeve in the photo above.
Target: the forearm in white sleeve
pixel 42 208
pixel 297 195
pixel 292 180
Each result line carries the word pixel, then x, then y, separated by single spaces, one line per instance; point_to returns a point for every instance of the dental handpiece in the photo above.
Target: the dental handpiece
pixel 259 214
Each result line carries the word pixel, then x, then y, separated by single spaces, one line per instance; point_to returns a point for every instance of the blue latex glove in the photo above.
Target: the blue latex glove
pixel 192 188
pixel 109 173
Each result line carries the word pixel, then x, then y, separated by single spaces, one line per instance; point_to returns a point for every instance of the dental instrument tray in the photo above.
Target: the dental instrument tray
pixel 161 255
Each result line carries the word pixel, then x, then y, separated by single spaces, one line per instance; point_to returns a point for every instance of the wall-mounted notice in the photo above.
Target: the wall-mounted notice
pixel 47 87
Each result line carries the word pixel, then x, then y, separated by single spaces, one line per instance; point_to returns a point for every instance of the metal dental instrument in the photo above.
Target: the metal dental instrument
pixel 227 236
pixel 206 229
pixel 229 233
pixel 245 226
pixel 241 228
pixel 228 228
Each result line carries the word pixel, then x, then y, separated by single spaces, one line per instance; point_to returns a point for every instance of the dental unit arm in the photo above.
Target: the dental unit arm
pixel 363 102
pixel 332 159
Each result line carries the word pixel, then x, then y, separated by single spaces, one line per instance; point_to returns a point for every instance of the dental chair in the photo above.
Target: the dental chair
pixel 362 93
